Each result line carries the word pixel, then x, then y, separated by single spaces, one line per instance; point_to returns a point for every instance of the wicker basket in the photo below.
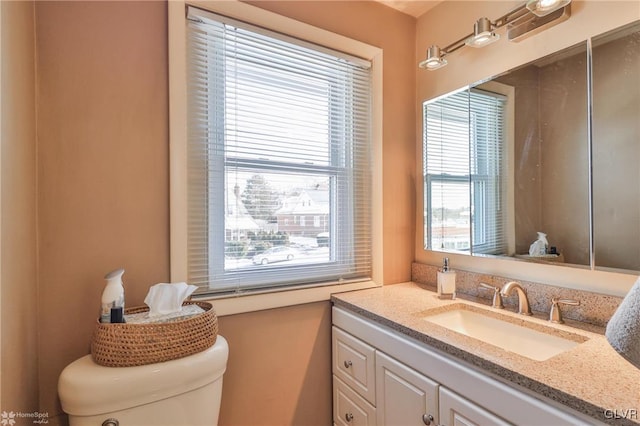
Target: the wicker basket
pixel 127 345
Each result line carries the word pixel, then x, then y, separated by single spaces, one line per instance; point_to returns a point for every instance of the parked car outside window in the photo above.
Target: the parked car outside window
pixel 274 254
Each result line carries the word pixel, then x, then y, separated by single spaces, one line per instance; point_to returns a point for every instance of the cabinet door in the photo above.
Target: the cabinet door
pixel 457 411
pixel 404 397
pixel 349 408
pixel 353 363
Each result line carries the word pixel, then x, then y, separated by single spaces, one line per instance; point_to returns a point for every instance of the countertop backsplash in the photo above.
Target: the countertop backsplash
pixel 594 308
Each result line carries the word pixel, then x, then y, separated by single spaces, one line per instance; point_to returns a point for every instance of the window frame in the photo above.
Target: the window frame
pixel 269 298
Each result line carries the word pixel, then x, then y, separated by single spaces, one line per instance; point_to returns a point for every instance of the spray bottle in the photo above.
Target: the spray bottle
pixel 112 296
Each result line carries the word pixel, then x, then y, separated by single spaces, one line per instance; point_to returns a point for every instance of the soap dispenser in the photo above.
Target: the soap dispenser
pixel 446 281
pixel 112 296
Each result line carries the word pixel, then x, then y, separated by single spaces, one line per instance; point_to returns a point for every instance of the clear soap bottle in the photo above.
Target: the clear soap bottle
pixel 446 281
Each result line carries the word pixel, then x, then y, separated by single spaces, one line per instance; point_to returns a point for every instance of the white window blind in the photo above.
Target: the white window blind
pixel 464 172
pixel 488 172
pixel 278 132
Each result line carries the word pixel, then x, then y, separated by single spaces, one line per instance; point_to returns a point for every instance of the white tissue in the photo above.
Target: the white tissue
pixel 539 246
pixel 164 298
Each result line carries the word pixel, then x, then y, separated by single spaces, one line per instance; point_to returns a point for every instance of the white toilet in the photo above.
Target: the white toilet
pixel 184 391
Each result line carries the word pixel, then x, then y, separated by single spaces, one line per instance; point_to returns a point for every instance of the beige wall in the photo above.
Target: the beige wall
pixel 19 368
pixel 448 22
pixel 103 193
pixel 102 166
pixel 279 371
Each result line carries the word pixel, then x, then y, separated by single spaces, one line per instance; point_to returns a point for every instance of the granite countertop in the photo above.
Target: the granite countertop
pixel 590 378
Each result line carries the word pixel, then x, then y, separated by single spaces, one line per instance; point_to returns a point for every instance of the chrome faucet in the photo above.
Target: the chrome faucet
pixel 523 302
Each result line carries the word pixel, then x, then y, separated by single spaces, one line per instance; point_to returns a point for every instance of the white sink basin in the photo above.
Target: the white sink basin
pixel 525 341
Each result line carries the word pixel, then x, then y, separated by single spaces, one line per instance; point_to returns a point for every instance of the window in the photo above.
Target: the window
pixel 465 172
pixel 277 127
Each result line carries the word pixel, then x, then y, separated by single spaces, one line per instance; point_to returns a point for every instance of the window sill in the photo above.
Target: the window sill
pixel 238 304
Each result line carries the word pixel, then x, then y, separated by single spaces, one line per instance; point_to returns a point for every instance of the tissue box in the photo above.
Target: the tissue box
pixel 127 345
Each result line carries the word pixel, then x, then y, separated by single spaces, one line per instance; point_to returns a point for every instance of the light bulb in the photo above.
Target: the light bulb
pixel 545 7
pixel 547 3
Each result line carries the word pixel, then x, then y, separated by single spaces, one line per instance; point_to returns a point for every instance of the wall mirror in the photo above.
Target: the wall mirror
pixel 541 148
pixel 616 149
pixel 508 158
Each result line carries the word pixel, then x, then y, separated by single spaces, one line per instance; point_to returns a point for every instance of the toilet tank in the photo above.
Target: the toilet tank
pixel 184 391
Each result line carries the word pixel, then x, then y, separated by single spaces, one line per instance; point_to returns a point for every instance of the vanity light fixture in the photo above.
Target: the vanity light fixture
pixel 545 7
pixel 482 34
pixel 435 59
pixel 524 21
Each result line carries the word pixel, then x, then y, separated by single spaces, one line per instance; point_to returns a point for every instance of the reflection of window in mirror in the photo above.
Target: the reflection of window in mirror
pixel 468 172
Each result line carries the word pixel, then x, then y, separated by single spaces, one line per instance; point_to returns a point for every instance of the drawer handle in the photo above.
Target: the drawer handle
pixel 427 419
pixel 348 417
pixel 348 364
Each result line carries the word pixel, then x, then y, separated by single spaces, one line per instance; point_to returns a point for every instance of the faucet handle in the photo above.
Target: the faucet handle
pixel 497 296
pixel 555 315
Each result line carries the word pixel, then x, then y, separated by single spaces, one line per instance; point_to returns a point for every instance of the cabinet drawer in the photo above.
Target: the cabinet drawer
pixel 354 364
pixel 349 408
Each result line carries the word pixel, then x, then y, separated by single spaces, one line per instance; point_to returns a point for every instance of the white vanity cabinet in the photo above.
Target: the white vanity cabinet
pixel 371 388
pixel 385 378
